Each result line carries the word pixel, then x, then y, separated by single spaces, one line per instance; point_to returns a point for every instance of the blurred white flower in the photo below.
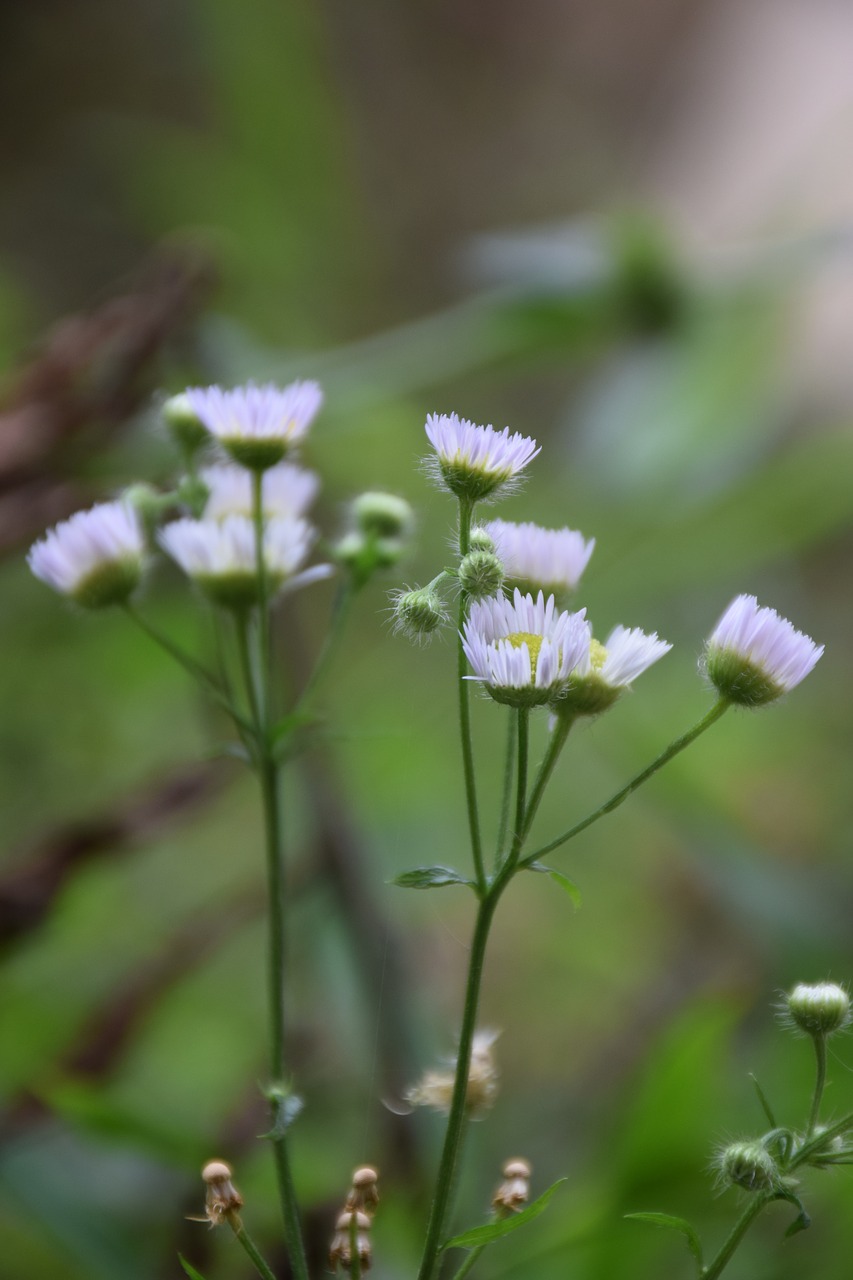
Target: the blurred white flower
pixel 754 655
pixel 95 557
pixel 287 491
pixel 550 560
pixel 257 425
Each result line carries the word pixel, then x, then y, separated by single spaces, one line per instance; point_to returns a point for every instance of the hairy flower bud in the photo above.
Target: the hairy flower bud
pixel 382 515
pixel 481 539
pixel 418 613
pixel 749 1165
pixel 481 574
pixel 818 1009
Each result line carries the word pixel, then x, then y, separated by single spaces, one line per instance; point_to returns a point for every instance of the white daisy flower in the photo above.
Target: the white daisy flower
pixel 473 462
pixel 220 555
pixel 524 650
pixel 606 669
pixel 95 557
pixel 537 559
pixel 754 656
pixel 287 491
pixel 257 425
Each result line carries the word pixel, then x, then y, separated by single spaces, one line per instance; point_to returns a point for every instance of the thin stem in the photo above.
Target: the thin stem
pixel 235 1222
pixel 555 746
pixel 737 1233
pixel 250 676
pixel 506 795
pixel 615 800
pixel 469 1262
pixel 261 568
pixel 458 1105
pixel 354 1255
pixel 820 1082
pixel 466 512
pixel 809 1148
pixel 340 613
pixel 208 682
pixel 519 825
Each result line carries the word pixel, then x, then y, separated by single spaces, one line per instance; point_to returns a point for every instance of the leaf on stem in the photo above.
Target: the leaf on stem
pixel 694 1244
pixel 497 1230
pixel 190 1269
pixel 430 878
pixel 285 1106
pixel 802 1222
pixel 765 1105
pixel 567 885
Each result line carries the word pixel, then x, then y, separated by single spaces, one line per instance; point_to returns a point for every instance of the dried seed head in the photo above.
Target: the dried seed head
pixel 364 1193
pixel 517 1168
pixel 340 1251
pixel 222 1198
pixel 514 1192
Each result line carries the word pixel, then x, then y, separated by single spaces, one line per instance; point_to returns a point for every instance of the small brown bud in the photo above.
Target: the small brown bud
pixel 222 1196
pixel 364 1193
pixel 514 1192
pixel 340 1252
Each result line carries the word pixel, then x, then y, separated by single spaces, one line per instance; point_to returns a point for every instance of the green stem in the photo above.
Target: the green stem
pixel 236 1224
pixel 615 800
pixel 506 795
pixel 469 1262
pixel 250 678
pixel 519 826
pixel 340 613
pixel 208 682
pixel 820 1082
pixel 466 512
pixel 458 1108
pixel 552 755
pixel 737 1233
pixel 261 568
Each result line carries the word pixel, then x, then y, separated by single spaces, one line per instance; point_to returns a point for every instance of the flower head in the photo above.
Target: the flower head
pixel 220 555
pixel 95 557
pixel 606 669
pixel 257 425
pixel 287 491
pixel 524 650
pixel 435 1088
pixel 537 559
pixel 749 1165
pixel 473 462
pixel 754 656
pixel 818 1008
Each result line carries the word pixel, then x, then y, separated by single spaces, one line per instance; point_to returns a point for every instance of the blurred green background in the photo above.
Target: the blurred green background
pixel 621 229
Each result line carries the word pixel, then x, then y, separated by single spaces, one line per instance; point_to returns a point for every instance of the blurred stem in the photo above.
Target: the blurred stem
pixel 555 746
pixel 809 1148
pixel 820 1082
pixel 261 567
pixel 236 1224
pixel 466 512
pixel 469 1262
pixel 739 1230
pixel 354 1255
pixel 615 800
pixel 506 795
pixel 340 613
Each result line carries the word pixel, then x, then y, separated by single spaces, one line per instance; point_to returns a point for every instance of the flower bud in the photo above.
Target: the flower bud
pixel 382 515
pixel 514 1192
pixel 481 574
pixel 363 554
pixel 185 427
pixel 364 1192
pixel 222 1197
pixel 481 539
pixel 818 1009
pixel 749 1165
pixel 418 613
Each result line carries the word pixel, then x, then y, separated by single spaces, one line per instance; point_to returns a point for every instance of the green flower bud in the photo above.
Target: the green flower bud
pixel 481 574
pixel 481 539
pixel 419 613
pixel 818 1009
pixel 749 1165
pixel 382 515
pixel 185 427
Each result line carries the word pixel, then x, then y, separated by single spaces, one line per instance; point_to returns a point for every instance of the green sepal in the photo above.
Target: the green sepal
pixel 564 882
pixel 694 1244
pixel 430 878
pixel 497 1230
pixel 802 1222
pixel 189 1268
pixel 285 1107
pixel 765 1105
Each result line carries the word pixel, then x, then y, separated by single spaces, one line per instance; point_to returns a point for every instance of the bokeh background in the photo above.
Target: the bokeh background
pixel 622 228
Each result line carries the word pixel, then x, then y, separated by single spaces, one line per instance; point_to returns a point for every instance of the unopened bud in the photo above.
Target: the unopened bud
pixel 749 1165
pixel 185 427
pixel 222 1197
pixel 481 539
pixel 514 1192
pixel 363 554
pixel 350 1222
pixel 818 1009
pixel 481 574
pixel 146 502
pixel 382 515
pixel 364 1193
pixel 419 613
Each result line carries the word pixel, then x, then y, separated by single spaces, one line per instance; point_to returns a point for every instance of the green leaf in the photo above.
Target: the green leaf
pixel 802 1222
pixel 429 878
pixel 190 1269
pixel 563 881
pixel 765 1105
pixel 694 1244
pixel 496 1230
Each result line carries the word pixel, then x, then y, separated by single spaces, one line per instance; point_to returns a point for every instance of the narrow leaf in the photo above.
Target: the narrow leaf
pixel 802 1222
pixel 496 1230
pixel 429 878
pixel 765 1105
pixel 694 1244
pixel 285 1108
pixel 563 881
pixel 190 1269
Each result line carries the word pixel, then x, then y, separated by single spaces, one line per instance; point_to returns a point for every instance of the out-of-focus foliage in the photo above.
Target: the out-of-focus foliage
pixel 664 396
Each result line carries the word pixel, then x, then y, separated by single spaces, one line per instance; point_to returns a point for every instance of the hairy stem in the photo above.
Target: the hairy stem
pixel 744 1222
pixel 466 512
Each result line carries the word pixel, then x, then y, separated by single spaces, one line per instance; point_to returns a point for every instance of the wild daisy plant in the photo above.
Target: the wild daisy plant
pixel 237 524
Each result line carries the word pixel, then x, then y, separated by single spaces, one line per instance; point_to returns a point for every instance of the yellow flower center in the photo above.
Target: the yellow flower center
pixel 597 655
pixel 534 644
